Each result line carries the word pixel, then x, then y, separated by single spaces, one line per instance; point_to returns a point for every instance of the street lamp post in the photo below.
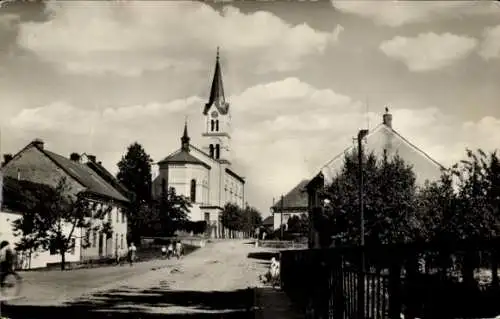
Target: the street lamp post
pixel 361 279
pixel 281 217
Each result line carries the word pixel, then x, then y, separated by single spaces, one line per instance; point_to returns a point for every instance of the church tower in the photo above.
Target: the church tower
pixel 217 120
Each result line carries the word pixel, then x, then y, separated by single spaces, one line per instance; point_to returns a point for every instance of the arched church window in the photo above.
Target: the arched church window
pixel 217 125
pixel 212 124
pixel 193 190
pixel 211 150
pixel 217 151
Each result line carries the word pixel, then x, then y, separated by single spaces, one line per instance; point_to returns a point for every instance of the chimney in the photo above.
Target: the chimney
pixel 74 157
pixel 91 158
pixel 38 143
pixel 387 118
pixel 7 158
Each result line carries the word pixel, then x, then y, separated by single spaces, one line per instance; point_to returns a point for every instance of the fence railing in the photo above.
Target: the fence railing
pixel 282 244
pixel 426 280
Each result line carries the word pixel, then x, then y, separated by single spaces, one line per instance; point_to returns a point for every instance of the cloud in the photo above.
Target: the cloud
pixel 398 13
pixel 131 37
pixel 278 139
pixel 490 47
pixel 429 51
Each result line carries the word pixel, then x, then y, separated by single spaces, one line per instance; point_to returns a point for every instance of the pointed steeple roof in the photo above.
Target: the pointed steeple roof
pixel 217 96
pixel 185 138
pixel 183 156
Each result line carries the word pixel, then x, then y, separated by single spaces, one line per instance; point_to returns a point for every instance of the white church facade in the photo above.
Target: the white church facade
pixel 205 174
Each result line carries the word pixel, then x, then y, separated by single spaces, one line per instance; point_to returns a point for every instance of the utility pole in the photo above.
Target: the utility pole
pixel 361 279
pixel 281 217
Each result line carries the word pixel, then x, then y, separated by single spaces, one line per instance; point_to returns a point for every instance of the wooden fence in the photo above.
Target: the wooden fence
pixel 426 280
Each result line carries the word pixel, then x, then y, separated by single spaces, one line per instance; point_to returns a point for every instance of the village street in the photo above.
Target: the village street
pixel 208 283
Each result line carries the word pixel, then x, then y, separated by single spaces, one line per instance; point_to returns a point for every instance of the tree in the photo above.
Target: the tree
pixel 389 200
pixel 436 205
pixel 134 172
pixel 476 211
pixel 171 212
pixel 252 219
pixel 232 217
pixel 298 224
pixel 51 217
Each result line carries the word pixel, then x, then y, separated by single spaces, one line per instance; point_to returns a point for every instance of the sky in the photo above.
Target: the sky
pixel 301 77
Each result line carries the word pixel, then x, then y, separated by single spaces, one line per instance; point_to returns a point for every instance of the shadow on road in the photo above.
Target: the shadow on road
pixel 263 255
pixel 145 304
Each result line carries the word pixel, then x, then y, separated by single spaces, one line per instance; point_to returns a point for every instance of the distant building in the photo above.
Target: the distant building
pixel 294 203
pixel 268 223
pixel 205 175
pixel 34 164
pixel 383 139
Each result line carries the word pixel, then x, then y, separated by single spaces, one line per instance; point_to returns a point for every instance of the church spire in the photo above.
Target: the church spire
pixel 217 96
pixel 185 138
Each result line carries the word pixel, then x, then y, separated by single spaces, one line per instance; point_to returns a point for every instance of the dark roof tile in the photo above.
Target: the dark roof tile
pixel 296 198
pixel 86 176
pixel 183 157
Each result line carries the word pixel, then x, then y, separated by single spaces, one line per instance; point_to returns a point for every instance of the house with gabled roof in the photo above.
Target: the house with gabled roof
pixel 37 165
pixel 382 140
pixel 205 175
pixel 294 203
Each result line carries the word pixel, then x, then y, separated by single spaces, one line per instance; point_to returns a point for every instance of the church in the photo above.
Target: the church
pixel 204 174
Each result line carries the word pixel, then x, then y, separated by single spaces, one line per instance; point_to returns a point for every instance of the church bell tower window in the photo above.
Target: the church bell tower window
pixel 217 125
pixel 217 151
pixel 211 150
pixel 212 125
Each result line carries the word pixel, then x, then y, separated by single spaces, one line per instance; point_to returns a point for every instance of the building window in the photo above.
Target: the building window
pixel 212 124
pixel 73 244
pixel 94 238
pixel 217 125
pixel 211 150
pixel 193 190
pixel 121 241
pixel 207 217
pixel 117 216
pixel 123 217
pixel 109 217
pixel 217 151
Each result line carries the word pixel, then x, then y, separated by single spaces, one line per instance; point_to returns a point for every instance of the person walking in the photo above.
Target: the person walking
pixel 132 251
pixel 7 263
pixel 178 249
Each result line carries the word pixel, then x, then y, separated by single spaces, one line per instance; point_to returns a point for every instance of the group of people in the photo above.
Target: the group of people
pixel 129 254
pixel 174 248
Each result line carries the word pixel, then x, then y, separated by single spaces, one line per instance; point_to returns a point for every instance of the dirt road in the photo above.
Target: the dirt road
pixel 212 282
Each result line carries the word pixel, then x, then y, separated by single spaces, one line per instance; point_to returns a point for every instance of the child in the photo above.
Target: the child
pixel 170 250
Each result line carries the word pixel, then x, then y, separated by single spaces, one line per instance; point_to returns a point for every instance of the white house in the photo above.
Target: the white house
pixel 36 165
pixel 382 140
